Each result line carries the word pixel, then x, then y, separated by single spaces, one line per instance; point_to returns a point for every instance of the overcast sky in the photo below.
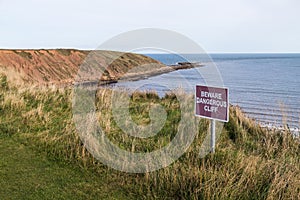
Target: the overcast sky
pixel 216 25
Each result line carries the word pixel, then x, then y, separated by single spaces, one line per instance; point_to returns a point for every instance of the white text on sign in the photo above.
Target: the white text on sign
pixel 209 98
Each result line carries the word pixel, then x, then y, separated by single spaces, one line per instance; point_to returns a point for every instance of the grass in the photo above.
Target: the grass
pixel 28 174
pixel 64 52
pixel 24 54
pixel 249 163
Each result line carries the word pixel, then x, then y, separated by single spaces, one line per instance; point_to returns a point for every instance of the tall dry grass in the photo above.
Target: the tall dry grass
pixel 250 162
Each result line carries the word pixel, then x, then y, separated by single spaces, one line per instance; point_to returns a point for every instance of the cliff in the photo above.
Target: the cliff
pixel 60 66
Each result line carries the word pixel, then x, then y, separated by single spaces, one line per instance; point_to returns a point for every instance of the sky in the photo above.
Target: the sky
pixel 218 26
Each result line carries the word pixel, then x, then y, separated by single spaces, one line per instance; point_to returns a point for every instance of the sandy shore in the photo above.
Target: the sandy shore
pixel 282 128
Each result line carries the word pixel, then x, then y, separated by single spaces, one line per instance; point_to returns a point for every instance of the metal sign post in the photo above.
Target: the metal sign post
pixel 212 103
pixel 213 135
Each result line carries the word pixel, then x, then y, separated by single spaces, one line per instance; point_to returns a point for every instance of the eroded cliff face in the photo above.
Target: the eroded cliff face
pixel 60 66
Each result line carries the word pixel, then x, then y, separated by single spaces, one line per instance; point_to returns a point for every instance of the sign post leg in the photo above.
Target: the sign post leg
pixel 213 135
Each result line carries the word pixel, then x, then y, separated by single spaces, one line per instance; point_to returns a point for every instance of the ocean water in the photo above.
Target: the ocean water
pixel 265 86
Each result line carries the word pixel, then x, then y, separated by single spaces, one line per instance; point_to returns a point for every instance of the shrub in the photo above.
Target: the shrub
pixel 3 82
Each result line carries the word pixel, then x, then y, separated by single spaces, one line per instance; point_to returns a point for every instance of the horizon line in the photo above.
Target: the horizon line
pixel 212 52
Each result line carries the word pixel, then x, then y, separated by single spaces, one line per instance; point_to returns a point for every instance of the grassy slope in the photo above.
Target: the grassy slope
pixel 28 174
pixel 250 163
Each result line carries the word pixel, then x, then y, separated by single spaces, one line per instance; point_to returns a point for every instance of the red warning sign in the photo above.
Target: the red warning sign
pixel 212 102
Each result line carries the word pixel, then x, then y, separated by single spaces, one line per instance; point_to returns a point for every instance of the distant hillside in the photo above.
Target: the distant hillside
pixel 61 66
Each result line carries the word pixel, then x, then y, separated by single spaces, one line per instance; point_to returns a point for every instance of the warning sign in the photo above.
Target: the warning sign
pixel 212 102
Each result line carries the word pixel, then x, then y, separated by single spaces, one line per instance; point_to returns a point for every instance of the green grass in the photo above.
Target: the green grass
pixel 24 54
pixel 43 157
pixel 28 174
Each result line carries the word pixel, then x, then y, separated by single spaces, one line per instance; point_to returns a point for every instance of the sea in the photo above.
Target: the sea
pixel 265 86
